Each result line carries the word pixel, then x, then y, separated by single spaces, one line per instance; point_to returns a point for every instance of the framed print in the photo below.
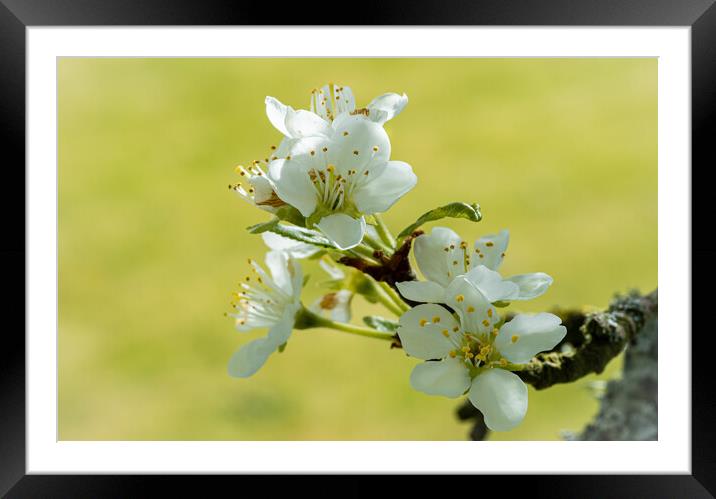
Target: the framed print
pixel 441 249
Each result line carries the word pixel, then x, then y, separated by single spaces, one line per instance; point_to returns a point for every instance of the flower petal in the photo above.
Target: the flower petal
pixel 449 378
pixel 337 304
pixel 428 332
pixel 490 250
pixel 344 231
pixel 334 271
pixel 477 314
pixel 296 249
pixel 501 396
pixel 431 257
pixel 531 285
pixel 358 144
pixel 249 358
pixel 386 107
pixel 304 123
pixel 528 334
pixel 293 185
pixel 389 185
pixel 276 112
pixel 281 331
pixel 277 262
pixel 422 291
pixel 491 284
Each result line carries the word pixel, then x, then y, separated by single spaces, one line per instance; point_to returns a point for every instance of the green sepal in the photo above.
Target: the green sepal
pixel 381 324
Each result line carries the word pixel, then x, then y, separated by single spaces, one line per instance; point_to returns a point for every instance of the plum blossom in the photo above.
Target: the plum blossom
pixel 266 302
pixel 471 351
pixel 442 256
pixel 326 105
pixel 334 181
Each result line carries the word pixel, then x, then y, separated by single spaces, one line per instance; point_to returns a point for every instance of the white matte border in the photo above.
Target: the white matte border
pixel 671 453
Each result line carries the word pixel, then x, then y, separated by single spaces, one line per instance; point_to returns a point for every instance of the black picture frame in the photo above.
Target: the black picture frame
pixel 16 15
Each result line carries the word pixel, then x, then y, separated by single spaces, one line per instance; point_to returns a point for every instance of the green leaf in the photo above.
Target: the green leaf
pixel 381 324
pixel 452 210
pixel 292 232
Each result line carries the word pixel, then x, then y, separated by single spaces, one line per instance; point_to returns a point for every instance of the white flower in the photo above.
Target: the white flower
pixel 442 256
pixel 468 353
pixel 335 181
pixel 266 302
pixel 328 104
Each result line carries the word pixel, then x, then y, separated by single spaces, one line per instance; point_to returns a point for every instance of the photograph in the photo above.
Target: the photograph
pixel 357 249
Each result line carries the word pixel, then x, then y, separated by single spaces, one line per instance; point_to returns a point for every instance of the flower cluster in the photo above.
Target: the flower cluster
pixel 333 165
pixel 467 346
pixel 326 184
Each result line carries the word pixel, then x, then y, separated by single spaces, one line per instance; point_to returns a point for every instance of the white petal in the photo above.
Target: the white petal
pixel 249 358
pixel 491 284
pixel 277 263
pixel 386 107
pixel 276 112
pixel 431 257
pixel 526 335
pixel 263 191
pixel 341 311
pixel 422 332
pixel 531 285
pixel 346 103
pixel 304 123
pixel 380 193
pixel 344 231
pixel 365 147
pixel 501 396
pixel 490 250
pixel 422 291
pixel 293 185
pixel 476 313
pixel 332 270
pixel 449 378
pixel 294 248
pixel 280 332
pixel 296 273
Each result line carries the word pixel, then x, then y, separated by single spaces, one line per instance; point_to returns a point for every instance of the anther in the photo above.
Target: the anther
pixel 460 298
pixel 514 338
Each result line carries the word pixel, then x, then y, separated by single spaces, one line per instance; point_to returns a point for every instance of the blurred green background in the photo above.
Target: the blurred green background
pixel 563 152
